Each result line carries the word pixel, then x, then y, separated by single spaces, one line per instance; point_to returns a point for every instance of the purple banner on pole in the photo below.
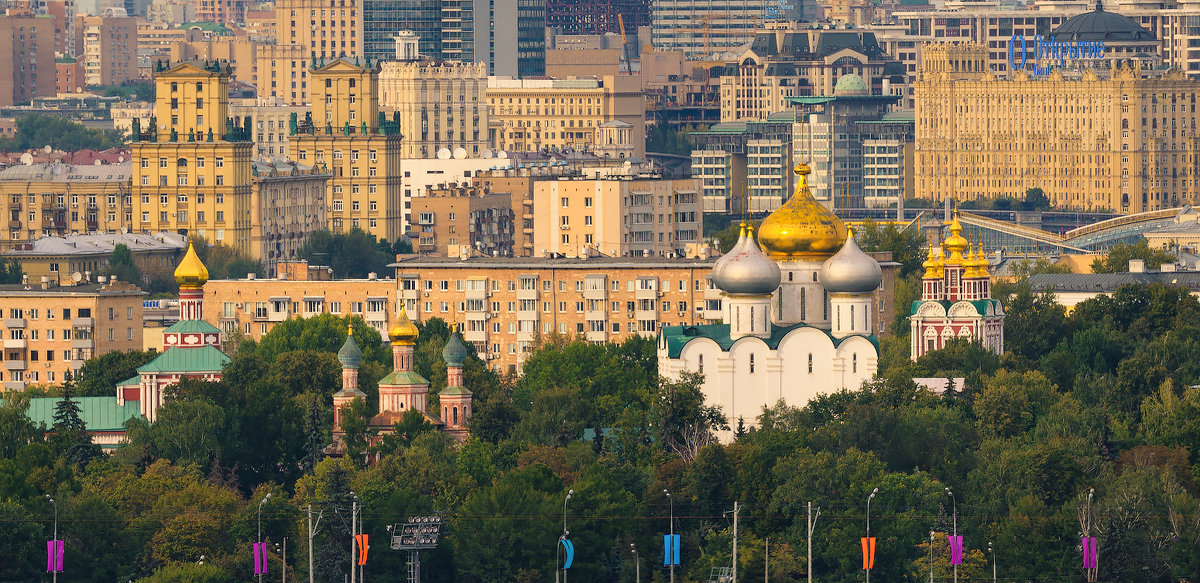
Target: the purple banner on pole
pixel 58 556
pixel 956 549
pixel 260 558
pixel 1089 546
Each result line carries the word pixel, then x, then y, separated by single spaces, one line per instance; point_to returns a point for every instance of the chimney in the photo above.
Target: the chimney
pixel 1137 266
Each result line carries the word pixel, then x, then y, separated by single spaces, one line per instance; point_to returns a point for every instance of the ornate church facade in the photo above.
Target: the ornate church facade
pixel 797 315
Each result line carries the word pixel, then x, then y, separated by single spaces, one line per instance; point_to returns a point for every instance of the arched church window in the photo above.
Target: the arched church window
pixel 854 362
pixel 700 368
pixel 851 316
pixel 751 318
pixel 839 317
pixel 752 363
pixel 456 415
pixel 803 304
pixel 810 363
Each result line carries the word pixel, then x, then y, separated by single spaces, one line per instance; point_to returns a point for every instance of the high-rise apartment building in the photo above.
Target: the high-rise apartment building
pixel 531 114
pixel 508 36
pixel 1124 142
pixel 442 104
pixel 192 168
pixel 325 30
pixel 577 218
pixel 107 45
pixel 701 28
pixel 349 135
pixel 289 204
pixel 26 58
pixel 223 11
pixel 464 220
pixel 597 16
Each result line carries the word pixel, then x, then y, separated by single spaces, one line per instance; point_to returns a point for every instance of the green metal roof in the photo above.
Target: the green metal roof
pixel 98 413
pixel 185 360
pixel 131 381
pixel 403 378
pixel 206 26
pixel 677 337
pixel 820 99
pixel 455 391
pixel 192 327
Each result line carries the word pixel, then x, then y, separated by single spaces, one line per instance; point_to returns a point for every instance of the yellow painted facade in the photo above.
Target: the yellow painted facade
pixel 441 105
pixel 50 330
pixel 43 200
pixel 1127 142
pixel 531 114
pixel 363 155
pixel 191 172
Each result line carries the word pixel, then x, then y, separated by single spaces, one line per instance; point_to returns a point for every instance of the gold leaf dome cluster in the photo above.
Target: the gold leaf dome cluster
pixel 191 272
pixel 955 244
pixel 801 228
pixel 403 331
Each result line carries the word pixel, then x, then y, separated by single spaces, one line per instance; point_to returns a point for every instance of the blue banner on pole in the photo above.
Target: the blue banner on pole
pixel 670 549
pixel 569 547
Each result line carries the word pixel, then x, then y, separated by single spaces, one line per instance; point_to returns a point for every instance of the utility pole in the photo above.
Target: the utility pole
pixel 767 560
pixel 812 523
pixel 312 532
pixel 283 571
pixel 736 508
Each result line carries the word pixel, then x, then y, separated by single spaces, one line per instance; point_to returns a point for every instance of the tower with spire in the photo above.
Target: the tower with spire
pixel 956 298
pixel 455 399
pixel 797 309
pixel 190 349
pixel 350 356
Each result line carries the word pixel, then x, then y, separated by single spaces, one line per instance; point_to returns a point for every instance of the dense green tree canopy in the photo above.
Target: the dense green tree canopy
pixel 38 131
pixel 1117 259
pixel 353 255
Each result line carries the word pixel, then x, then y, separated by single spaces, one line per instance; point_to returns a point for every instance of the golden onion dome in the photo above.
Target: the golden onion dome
pixel 955 244
pixel 941 264
pixel 982 265
pixel 801 228
pixel 930 264
pixel 403 331
pixel 191 271
pixel 970 262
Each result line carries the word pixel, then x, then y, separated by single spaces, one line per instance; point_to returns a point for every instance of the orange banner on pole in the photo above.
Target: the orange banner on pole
pixel 363 547
pixel 868 550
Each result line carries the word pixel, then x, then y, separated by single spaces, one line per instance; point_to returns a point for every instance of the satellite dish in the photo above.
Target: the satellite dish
pixel 486 153
pixel 502 155
pixel 120 158
pixel 27 158
pixel 47 149
pixel 76 277
pixel 95 162
pixel 460 153
pixel 443 154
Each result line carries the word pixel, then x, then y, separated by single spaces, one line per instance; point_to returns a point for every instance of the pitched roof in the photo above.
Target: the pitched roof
pixel 98 413
pixel 185 360
pixel 402 378
pixel 192 327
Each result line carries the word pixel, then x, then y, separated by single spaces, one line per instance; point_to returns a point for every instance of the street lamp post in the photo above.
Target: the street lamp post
pixel 931 556
pixel 869 498
pixel 672 543
pixel 637 564
pixel 54 575
pixel 992 552
pixel 260 505
pixel 562 538
pixel 1089 573
pixel 954 505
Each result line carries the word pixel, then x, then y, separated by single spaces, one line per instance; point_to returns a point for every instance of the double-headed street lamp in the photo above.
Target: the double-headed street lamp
pixel 637 564
pixel 954 503
pixel 671 544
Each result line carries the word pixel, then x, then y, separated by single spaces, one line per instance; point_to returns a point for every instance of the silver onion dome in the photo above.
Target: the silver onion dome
pixel 746 270
pixel 851 270
pixel 723 260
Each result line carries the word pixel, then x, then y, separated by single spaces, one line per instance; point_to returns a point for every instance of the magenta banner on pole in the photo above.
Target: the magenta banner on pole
pixel 54 556
pixel 956 549
pixel 260 559
pixel 1089 546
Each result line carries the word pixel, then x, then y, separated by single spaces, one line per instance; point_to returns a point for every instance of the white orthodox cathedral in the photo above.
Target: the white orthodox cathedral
pixel 797 315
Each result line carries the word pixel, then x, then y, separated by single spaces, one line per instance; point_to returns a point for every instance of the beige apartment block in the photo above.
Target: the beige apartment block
pixel 280 72
pixel 505 307
pixel 441 104
pixel 1124 142
pixel 464 219
pixel 107 45
pixel 58 259
pixel 289 204
pixel 49 330
pixel 26 58
pixel 361 150
pixel 192 171
pixel 531 114
pixel 271 123
pixel 323 29
pixel 64 199
pixel 252 307
pixel 617 218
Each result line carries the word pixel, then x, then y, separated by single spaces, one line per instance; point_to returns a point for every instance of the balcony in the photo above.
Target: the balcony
pixel 410 294
pixel 83 322
pixel 527 294
pixel 15 343
pixel 595 315
pixel 526 336
pixel 83 343
pixel 477 316
pixel 475 336
pixel 591 336
pixel 645 315
pixel 14 322
pixel 14 386
pixel 14 365
pixel 476 294
pixel 527 315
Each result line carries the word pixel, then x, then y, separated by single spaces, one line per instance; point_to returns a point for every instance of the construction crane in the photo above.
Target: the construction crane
pixel 625 46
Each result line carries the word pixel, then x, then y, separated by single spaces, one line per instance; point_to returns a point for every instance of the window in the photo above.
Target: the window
pixel 751 363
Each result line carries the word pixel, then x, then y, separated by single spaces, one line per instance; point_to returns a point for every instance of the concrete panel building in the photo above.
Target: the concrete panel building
pixel 463 220
pixel 27 68
pixel 107 45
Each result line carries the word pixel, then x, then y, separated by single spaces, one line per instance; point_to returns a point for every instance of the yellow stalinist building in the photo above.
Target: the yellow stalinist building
pixel 191 169
pixel 1125 141
pixel 347 134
